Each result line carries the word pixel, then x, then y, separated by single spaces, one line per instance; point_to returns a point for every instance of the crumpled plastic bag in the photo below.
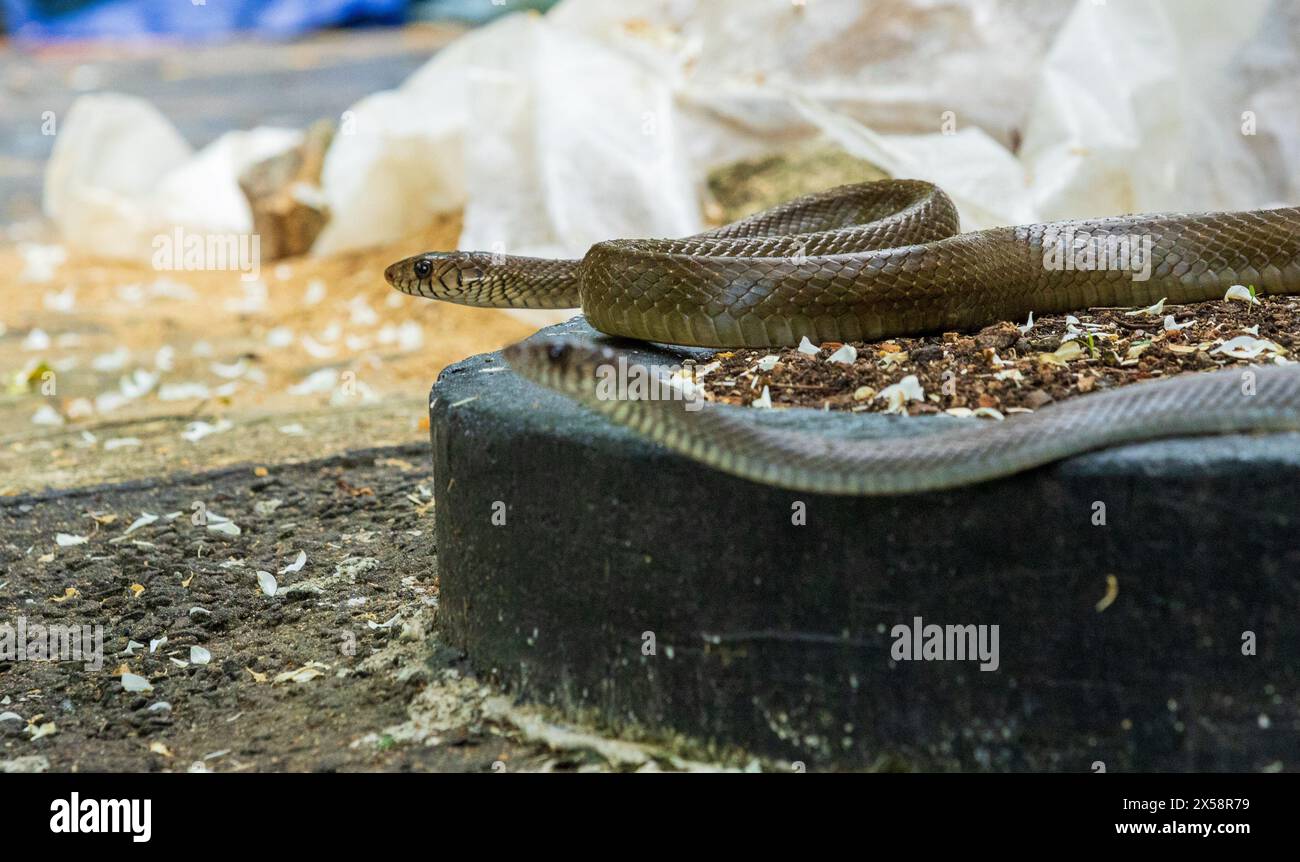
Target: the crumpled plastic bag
pixel 544 170
pixel 121 175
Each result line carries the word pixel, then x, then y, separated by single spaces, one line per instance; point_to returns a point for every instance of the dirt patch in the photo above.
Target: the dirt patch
pixel 1007 368
pixel 339 669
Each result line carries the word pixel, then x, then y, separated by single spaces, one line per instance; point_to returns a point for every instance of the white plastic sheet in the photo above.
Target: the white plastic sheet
pixel 550 140
pixel 1138 111
pixel 601 119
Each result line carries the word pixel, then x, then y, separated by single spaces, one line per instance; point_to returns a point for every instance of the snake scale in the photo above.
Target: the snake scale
pixel 886 259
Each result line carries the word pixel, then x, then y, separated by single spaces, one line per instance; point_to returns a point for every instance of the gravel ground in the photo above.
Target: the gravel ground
pixel 339 669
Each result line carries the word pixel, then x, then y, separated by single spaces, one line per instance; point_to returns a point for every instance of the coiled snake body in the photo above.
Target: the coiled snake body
pixel 879 260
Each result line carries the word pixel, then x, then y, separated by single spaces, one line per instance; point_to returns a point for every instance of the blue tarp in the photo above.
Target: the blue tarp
pixel 42 20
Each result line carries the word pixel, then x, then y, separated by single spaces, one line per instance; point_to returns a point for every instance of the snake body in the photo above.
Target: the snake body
pixel 880 260
pixel 1266 398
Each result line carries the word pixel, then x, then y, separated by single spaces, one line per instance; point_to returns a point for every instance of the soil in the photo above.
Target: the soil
pixel 1006 368
pixel 339 669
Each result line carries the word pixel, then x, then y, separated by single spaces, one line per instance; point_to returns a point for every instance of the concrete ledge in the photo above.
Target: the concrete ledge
pixel 777 637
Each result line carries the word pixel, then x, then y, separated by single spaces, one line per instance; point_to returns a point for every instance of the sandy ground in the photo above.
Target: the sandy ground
pixel 183 370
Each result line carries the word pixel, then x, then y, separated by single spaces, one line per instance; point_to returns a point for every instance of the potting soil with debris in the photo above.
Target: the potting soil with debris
pixel 1008 368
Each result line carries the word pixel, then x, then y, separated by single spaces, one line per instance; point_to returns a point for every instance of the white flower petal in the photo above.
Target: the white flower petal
pixel 900 393
pixel 196 431
pixel 135 682
pixel 1241 293
pixel 143 521
pixel 296 565
pixel 846 355
pixel 267 582
pixel 46 415
pixel 1154 310
pixel 1247 347
pixel 183 391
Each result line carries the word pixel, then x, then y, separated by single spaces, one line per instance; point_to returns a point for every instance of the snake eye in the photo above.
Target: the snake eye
pixel 423 268
pixel 557 352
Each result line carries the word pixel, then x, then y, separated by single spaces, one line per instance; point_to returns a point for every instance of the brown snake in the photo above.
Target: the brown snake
pixel 879 260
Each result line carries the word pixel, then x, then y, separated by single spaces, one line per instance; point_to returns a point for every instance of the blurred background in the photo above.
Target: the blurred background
pixel 198 197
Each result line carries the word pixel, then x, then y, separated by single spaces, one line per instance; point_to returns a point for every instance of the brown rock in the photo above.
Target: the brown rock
pixel 1038 398
pixel 929 353
pixel 999 336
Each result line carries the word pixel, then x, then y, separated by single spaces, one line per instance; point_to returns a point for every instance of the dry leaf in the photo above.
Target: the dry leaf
pixel 1112 593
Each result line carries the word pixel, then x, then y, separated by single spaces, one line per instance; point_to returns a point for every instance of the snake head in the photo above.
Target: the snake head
pixel 450 276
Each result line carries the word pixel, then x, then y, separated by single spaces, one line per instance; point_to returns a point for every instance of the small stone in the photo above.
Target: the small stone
pixel 1038 398
pixel 999 336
